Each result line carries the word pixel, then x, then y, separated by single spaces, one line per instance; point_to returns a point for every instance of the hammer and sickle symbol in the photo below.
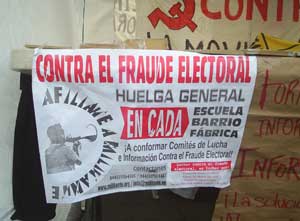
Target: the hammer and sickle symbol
pixel 179 18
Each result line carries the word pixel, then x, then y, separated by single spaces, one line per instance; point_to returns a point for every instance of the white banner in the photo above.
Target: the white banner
pixel 124 120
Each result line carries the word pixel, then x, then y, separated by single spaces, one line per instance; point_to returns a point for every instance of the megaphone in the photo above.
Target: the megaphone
pixel 90 138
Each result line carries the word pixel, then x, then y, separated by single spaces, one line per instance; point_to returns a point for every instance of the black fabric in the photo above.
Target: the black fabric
pixel 93 210
pixel 140 205
pixel 28 187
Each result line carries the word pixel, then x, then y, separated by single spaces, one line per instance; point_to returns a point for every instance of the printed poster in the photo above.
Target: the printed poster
pixel 123 120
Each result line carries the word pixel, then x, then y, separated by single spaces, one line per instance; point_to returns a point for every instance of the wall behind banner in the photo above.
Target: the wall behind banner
pixel 52 22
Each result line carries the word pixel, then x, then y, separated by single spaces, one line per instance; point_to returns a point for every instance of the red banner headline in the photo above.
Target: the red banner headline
pixel 142 123
pixel 142 69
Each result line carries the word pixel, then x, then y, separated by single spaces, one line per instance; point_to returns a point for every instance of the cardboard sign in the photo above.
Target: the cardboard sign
pixel 265 181
pixel 123 120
